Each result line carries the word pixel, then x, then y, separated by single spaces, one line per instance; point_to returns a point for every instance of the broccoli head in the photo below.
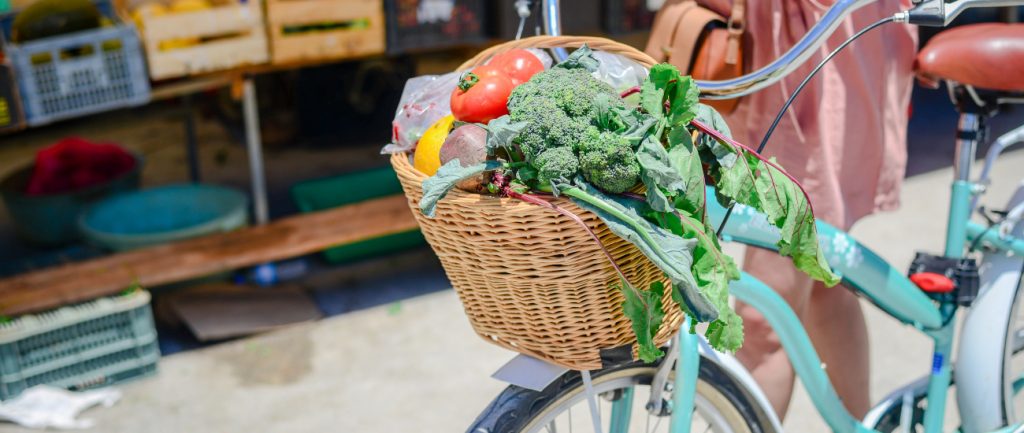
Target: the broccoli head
pixel 572 90
pixel 559 106
pixel 547 127
pixel 556 163
pixel 608 161
pixel 562 137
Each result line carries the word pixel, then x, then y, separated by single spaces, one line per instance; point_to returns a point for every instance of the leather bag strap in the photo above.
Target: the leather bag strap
pixel 687 34
pixel 663 30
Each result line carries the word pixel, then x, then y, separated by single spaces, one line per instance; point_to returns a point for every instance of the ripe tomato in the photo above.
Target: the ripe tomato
pixel 482 95
pixel 518 64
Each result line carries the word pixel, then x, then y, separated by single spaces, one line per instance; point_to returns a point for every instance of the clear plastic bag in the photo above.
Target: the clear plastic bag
pixel 621 72
pixel 425 99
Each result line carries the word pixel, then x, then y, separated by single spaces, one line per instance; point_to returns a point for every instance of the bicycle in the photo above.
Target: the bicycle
pixel 692 381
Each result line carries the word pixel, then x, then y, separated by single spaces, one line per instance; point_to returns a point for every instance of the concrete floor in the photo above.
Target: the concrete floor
pixel 415 365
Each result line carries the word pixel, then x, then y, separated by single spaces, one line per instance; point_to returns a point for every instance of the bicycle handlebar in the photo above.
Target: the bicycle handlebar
pixel 935 13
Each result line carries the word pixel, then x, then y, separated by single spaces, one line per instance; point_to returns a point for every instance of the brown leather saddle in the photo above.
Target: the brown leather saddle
pixel 985 59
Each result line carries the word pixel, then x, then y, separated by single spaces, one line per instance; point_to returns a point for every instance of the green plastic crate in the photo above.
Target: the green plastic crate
pixel 320 194
pixel 84 346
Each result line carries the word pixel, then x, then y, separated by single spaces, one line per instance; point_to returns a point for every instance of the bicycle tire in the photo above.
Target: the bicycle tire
pixel 519 409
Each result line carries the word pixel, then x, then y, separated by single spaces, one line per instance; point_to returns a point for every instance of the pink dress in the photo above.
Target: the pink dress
pixel 845 135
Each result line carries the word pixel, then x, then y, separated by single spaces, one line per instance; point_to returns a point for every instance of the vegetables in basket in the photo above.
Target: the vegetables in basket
pixel 641 168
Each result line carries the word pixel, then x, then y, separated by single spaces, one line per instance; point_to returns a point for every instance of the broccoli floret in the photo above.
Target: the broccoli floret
pixel 556 163
pixel 608 162
pixel 547 127
pixel 572 90
pixel 559 105
pixel 563 138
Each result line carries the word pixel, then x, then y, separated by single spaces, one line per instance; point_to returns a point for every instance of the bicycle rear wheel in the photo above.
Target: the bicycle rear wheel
pixel 721 404
pixel 1013 364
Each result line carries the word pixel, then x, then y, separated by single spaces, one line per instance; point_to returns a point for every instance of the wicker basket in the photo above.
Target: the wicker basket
pixel 530 279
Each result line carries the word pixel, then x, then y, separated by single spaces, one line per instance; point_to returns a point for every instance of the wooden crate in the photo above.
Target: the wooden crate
pixel 309 30
pixel 230 34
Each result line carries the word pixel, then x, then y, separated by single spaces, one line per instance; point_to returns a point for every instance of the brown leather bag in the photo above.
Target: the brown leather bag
pixel 700 42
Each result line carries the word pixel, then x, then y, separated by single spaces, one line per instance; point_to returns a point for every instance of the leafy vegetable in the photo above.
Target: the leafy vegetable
pixel 450 174
pixel 670 253
pixel 582 58
pixel 763 185
pixel 645 314
pixel 501 132
pixel 571 134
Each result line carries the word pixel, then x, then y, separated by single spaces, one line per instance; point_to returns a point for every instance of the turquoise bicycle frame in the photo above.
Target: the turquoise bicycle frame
pixel 862 271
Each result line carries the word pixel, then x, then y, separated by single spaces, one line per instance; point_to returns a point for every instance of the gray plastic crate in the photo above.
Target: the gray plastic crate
pixel 80 73
pixel 84 346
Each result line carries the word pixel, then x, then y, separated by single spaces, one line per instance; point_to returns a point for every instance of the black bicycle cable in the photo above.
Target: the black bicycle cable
pixel 792 97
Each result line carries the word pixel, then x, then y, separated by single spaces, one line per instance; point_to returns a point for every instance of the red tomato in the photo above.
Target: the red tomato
pixel 518 64
pixel 482 95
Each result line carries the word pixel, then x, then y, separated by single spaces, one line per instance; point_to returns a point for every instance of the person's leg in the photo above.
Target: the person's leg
pixel 835 323
pixel 762 352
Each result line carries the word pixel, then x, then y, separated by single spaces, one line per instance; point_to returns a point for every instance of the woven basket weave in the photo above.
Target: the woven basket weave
pixel 530 279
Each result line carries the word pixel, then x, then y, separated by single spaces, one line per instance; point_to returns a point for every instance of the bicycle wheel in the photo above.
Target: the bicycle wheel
pixel 1013 363
pixel 721 404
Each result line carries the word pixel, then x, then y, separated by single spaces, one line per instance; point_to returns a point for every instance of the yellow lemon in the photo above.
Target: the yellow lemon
pixel 428 150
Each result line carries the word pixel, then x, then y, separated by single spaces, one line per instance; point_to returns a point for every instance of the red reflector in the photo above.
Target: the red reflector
pixel 932 282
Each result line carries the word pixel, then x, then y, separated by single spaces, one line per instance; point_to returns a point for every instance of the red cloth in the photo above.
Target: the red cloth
pixel 74 163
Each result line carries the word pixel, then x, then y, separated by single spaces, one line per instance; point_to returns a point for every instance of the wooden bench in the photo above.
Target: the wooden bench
pixel 288 237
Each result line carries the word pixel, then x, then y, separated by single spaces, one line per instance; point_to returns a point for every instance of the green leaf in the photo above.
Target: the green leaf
pixel 669 252
pixel 788 209
pixel 762 186
pixel 582 58
pixel 635 125
pixel 652 99
pixel 438 185
pixel 501 132
pixel 726 333
pixel 685 159
pixel 645 314
pixel 658 174
pixel 713 270
pixel 724 153
pixel 680 91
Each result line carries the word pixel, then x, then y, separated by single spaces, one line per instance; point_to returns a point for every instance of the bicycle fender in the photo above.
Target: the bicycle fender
pixel 979 373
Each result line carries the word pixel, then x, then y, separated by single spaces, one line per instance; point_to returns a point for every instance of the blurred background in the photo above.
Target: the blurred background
pixel 225 155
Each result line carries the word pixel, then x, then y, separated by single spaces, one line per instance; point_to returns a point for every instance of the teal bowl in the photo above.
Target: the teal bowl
pixel 52 219
pixel 164 214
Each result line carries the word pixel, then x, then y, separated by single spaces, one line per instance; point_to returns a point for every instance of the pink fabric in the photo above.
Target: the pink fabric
pixel 845 135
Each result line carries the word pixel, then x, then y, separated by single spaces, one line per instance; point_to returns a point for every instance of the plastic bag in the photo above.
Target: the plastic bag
pixel 543 56
pixel 621 72
pixel 425 99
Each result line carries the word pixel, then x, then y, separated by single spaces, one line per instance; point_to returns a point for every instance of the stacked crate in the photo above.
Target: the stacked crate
pixel 227 34
pixel 311 30
pixel 83 346
pixel 79 73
